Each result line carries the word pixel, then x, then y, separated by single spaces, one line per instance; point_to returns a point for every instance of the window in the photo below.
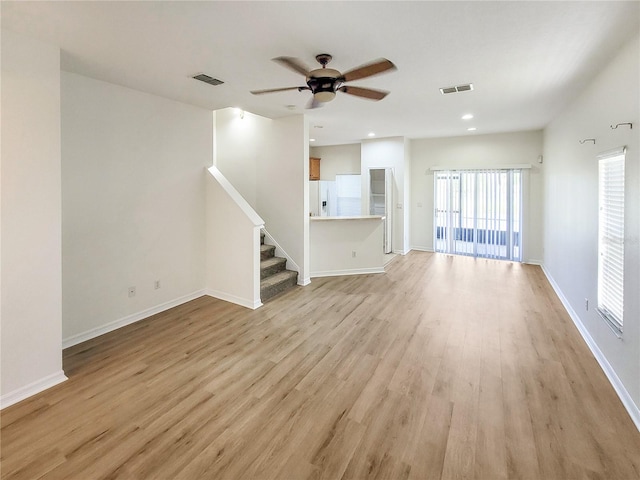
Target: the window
pixel 611 237
pixel 479 213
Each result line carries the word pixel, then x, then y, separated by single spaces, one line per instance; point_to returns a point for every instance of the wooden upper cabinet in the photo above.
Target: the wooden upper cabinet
pixel 314 168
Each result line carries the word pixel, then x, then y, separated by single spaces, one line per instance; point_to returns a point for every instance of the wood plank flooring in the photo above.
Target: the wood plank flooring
pixel 444 367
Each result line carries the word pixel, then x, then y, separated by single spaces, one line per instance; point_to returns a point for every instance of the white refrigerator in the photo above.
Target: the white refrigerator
pixel 322 198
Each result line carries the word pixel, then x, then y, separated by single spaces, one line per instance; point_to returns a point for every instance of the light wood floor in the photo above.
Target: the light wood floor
pixel 445 367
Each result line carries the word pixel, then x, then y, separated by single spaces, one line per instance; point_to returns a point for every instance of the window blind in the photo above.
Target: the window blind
pixel 478 213
pixel 611 237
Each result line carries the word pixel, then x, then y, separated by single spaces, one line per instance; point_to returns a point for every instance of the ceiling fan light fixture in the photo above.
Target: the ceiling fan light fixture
pixel 324 96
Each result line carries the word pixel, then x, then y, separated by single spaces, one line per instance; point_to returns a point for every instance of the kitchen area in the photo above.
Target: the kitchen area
pixel 343 240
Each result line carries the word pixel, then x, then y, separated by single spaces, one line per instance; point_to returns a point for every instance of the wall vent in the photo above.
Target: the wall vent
pixel 207 79
pixel 458 88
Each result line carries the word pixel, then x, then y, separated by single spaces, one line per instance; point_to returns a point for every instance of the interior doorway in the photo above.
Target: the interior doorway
pixel 381 201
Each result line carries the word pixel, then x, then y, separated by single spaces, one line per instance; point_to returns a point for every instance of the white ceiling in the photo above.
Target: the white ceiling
pixel 526 59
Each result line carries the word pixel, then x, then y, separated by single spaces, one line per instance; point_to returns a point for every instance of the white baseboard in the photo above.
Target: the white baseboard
pixel 355 271
pixel 304 282
pixel 32 388
pixel 129 319
pixel 533 261
pixel 623 394
pixel 243 302
pixel 422 249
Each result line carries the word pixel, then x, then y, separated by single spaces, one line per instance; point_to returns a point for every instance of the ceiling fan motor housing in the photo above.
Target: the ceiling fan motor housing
pixel 324 82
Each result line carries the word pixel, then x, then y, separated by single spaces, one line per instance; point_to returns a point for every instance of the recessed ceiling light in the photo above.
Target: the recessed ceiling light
pixel 371 134
pixel 467 116
pixel 471 129
pixel 312 139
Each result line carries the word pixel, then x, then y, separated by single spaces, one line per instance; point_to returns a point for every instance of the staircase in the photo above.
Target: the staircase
pixel 274 277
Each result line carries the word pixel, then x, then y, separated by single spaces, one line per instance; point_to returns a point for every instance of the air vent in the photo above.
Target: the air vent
pixel 207 79
pixel 457 88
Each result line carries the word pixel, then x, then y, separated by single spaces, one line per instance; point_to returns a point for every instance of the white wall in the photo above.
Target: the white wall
pixel 332 243
pixel 241 143
pixel 571 213
pixel 133 203
pixel 267 161
pixel 283 189
pixel 477 151
pixel 383 153
pixel 337 159
pixel 408 208
pixel 31 279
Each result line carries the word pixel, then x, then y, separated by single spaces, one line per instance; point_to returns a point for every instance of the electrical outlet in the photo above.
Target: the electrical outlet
pixel 156 284
pixel 353 254
pixel 132 291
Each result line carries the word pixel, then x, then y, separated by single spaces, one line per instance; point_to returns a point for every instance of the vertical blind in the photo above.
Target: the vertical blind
pixel 479 213
pixel 611 237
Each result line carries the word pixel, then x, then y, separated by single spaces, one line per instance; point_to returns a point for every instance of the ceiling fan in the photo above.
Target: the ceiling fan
pixel 325 82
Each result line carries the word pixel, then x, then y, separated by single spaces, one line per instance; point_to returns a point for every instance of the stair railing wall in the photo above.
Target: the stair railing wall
pixel 232 244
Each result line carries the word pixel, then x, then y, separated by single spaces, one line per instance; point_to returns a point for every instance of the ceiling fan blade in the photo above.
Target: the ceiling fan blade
pixel 369 93
pixel 369 69
pixel 293 64
pixel 271 90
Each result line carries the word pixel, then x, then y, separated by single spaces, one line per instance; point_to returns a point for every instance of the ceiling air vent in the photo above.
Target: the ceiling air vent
pixel 207 79
pixel 458 88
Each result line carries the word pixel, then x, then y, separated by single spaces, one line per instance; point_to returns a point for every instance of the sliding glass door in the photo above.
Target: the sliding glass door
pixel 479 213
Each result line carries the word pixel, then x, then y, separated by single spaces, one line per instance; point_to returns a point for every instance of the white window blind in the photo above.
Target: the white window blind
pixel 611 237
pixel 348 193
pixel 479 213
